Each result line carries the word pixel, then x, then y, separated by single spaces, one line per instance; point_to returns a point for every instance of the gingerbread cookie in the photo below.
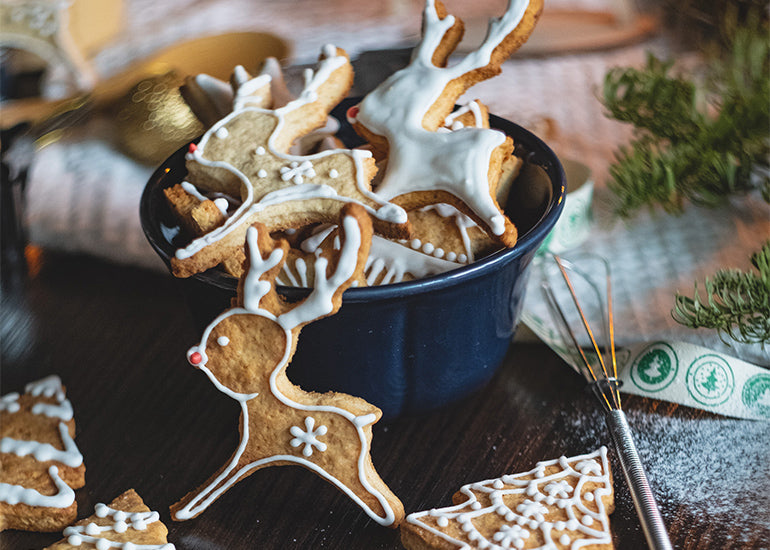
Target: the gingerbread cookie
pixel 125 523
pixel 245 352
pixel 41 464
pixel 561 504
pixel 400 119
pixel 245 155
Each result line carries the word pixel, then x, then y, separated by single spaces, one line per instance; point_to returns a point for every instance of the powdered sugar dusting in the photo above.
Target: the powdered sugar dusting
pixel 713 467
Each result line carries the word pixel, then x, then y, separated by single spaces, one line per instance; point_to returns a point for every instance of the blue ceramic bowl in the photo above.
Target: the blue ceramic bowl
pixel 408 347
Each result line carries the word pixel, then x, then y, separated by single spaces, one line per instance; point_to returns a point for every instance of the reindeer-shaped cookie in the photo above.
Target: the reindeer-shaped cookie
pixel 401 116
pixel 245 352
pixel 246 154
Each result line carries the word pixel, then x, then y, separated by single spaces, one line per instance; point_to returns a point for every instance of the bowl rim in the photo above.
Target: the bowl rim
pixel 525 243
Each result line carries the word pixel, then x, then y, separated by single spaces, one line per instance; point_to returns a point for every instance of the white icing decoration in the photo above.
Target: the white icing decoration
pixel 333 173
pixel 590 527
pixel 190 189
pixel 122 521
pixel 15 494
pixel 261 150
pixel 50 386
pixel 421 160
pixel 317 305
pixel 473 107
pixel 262 173
pixel 308 437
pixel 10 403
pixel 44 452
pixel 222 133
pixel 223 340
pixel 221 204
pixel 297 172
pixel 252 204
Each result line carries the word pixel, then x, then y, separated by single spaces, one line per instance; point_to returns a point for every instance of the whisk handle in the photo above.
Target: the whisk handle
pixel 646 508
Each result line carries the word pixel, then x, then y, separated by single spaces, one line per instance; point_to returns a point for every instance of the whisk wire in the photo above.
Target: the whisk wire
pixel 607 390
pixel 605 385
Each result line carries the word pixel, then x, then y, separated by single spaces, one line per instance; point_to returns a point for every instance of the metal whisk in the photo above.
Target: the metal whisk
pixel 599 367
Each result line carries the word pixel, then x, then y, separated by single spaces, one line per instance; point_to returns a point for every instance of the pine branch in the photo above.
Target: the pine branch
pixel 736 304
pixel 698 143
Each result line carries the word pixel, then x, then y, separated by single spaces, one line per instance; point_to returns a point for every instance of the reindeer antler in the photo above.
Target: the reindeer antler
pixel 326 297
pixel 400 117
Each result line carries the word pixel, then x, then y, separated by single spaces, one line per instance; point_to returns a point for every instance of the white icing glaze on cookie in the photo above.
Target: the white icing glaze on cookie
pixel 49 387
pixel 15 494
pixel 251 204
pixel 420 160
pixel 77 535
pixel 584 525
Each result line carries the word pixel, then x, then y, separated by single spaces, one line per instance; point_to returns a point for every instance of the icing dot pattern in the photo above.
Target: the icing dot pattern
pixel 546 506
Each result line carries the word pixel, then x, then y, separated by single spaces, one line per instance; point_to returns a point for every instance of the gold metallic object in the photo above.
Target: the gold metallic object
pixel 152 120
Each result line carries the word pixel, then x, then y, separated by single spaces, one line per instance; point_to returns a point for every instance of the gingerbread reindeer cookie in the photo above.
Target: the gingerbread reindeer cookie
pixel 246 155
pixel 400 119
pixel 561 504
pixel 40 464
pixel 245 352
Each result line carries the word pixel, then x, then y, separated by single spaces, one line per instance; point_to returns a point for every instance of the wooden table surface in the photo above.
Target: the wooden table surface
pixel 146 419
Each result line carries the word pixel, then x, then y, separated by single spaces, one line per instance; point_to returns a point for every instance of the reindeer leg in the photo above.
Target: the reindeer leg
pixel 195 502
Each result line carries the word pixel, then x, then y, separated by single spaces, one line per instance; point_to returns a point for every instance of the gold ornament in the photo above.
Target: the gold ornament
pixel 152 120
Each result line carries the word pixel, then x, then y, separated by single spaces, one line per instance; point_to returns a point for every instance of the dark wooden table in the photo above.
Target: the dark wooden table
pixel 117 336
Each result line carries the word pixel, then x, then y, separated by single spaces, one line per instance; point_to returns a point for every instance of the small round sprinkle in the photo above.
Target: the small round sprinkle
pixel 451 256
pixel 120 526
pixel 223 340
pixel 462 258
pixel 333 173
pixel 442 521
pixel 416 244
pixel 438 253
pixel 262 173
pixel 588 496
pixel 260 150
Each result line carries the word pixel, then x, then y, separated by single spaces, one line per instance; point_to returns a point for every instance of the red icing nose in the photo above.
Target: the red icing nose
pixel 195 358
pixel 352 113
pixel 192 148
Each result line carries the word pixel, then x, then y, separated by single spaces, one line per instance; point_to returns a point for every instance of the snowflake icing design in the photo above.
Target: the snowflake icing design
pixel 589 467
pixel 297 172
pixel 532 509
pixel 511 535
pixel 560 489
pixel 308 436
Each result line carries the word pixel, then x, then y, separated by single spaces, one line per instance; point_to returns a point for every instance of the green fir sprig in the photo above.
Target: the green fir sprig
pixel 697 139
pixel 736 303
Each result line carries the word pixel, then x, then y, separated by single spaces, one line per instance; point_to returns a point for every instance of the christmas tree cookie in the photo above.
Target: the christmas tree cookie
pixel 125 523
pixel 40 463
pixel 561 504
